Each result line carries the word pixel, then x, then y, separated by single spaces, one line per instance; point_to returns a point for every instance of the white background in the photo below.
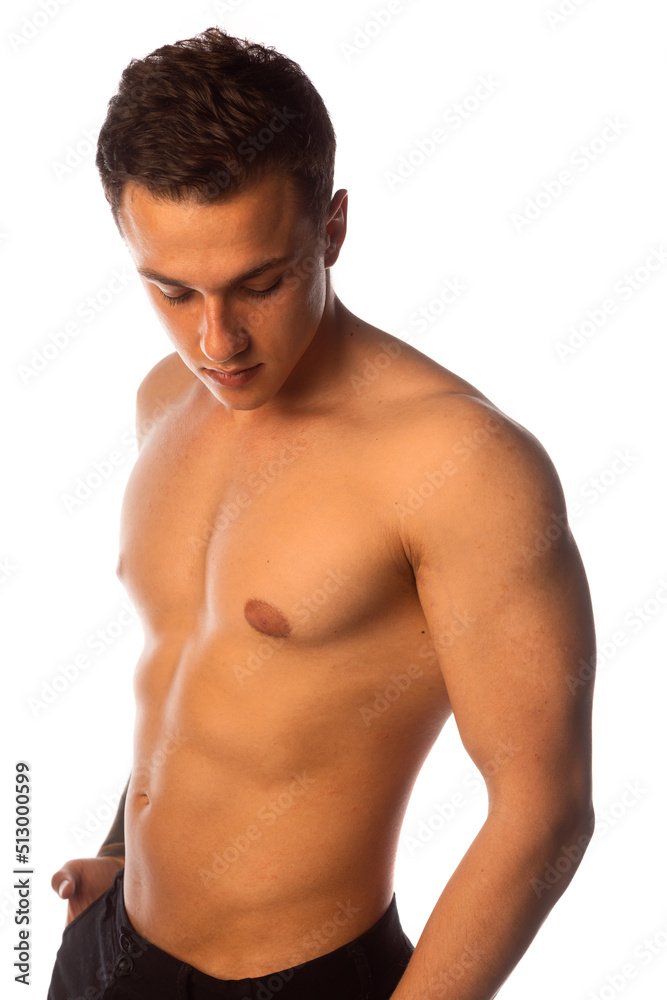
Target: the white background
pixel 526 288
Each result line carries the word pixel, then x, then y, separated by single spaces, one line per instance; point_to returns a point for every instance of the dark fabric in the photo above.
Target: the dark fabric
pixel 103 958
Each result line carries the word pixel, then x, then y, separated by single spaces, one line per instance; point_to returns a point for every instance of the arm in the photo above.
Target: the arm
pixel 83 880
pixel 114 845
pixel 492 549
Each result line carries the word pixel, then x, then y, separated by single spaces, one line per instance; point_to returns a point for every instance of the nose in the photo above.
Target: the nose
pixel 222 335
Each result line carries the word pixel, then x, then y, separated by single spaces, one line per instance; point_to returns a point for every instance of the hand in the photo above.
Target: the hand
pixel 82 881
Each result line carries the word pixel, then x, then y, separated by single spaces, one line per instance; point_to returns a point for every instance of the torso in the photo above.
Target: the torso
pixel 287 694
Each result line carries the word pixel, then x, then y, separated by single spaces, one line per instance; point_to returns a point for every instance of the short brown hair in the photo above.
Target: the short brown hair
pixel 202 118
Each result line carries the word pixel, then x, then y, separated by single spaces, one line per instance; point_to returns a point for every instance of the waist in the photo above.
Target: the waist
pixel 377 954
pixel 231 882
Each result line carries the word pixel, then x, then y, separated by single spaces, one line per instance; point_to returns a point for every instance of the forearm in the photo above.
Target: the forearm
pixel 114 845
pixel 491 909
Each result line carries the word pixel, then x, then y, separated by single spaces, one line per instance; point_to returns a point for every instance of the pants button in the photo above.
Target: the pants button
pixel 126 942
pixel 124 966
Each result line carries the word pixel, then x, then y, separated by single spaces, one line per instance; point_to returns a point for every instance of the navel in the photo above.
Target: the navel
pixel 265 618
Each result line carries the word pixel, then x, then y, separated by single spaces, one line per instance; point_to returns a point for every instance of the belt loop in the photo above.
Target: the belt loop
pixel 182 980
pixel 358 955
pixel 110 897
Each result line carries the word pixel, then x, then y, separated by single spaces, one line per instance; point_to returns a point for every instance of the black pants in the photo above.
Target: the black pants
pixel 103 958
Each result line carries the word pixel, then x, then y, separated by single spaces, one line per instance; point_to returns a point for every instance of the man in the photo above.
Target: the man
pixel 334 544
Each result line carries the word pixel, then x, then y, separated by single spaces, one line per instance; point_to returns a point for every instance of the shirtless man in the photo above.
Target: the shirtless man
pixel 334 544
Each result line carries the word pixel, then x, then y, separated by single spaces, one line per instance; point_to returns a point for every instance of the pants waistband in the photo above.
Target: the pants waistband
pixel 339 973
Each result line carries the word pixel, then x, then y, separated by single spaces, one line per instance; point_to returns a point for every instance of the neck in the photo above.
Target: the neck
pixel 318 378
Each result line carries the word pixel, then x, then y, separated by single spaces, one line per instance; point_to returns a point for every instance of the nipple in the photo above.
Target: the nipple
pixel 265 618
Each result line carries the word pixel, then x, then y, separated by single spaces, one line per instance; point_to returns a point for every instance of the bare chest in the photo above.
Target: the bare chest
pixel 285 534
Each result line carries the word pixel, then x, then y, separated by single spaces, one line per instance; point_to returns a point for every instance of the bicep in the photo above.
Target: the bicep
pixel 505 595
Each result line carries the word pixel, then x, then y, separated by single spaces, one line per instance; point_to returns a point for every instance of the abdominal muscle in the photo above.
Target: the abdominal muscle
pixel 262 819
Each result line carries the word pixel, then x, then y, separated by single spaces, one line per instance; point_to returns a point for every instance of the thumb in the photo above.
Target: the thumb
pixel 64 882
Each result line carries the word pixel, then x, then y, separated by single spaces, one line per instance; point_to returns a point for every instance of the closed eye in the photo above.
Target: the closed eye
pixel 176 300
pixel 262 293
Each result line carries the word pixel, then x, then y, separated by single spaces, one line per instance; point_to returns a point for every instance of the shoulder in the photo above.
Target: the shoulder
pixel 477 476
pixel 161 391
pixel 438 437
pixel 485 441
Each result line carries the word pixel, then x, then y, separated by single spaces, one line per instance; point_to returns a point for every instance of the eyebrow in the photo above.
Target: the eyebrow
pixel 254 272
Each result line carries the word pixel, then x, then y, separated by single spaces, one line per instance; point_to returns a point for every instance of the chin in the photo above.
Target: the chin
pixel 237 403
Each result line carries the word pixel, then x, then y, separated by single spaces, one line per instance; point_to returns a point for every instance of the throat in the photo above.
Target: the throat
pixel 267 619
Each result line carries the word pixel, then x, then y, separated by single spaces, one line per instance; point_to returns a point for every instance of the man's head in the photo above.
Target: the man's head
pixel 203 118
pixel 240 284
pixel 217 159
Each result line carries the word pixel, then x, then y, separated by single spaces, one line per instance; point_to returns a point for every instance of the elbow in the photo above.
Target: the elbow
pixel 587 822
pixel 573 827
pixel 589 818
pixel 582 817
pixel 551 817
pixel 571 811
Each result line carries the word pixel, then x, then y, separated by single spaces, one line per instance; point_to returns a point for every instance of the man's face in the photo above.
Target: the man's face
pixel 239 286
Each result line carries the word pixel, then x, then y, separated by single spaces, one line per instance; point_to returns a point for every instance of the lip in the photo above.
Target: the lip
pixel 239 376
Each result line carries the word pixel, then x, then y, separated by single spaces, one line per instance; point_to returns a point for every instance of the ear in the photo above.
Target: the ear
pixel 336 226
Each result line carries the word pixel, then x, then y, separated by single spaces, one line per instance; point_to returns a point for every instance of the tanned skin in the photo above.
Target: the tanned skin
pixel 353 520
